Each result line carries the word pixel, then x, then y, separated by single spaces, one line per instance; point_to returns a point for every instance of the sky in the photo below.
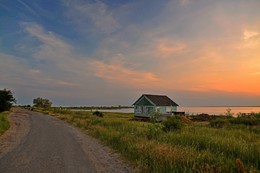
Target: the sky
pixel 110 52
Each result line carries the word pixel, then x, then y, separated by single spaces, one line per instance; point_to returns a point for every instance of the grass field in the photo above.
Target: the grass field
pixel 4 123
pixel 196 147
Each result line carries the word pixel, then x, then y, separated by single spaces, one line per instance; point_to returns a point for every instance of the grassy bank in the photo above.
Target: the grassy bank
pixel 196 147
pixel 4 123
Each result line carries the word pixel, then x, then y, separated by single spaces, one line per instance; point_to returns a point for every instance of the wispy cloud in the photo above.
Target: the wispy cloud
pixel 250 34
pixel 251 39
pixel 97 12
pixel 24 76
pixel 169 48
pixel 31 10
pixel 52 47
pixel 117 72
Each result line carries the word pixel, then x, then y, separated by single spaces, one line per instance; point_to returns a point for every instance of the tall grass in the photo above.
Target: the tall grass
pixel 4 123
pixel 194 148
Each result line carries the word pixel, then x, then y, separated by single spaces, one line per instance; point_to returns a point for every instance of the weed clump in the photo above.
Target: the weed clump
pixel 154 131
pixel 4 123
pixel 172 123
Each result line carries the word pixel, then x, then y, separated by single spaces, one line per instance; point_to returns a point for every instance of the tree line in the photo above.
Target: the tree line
pixel 7 100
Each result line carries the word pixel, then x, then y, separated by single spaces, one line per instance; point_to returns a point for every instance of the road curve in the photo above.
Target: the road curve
pixel 53 146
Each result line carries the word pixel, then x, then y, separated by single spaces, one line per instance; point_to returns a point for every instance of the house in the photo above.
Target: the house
pixel 147 104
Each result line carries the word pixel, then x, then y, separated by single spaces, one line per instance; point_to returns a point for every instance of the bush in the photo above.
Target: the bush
pixel 154 117
pixel 97 113
pixel 172 123
pixel 6 100
pixel 218 123
pixel 246 120
pixel 154 130
pixel 41 102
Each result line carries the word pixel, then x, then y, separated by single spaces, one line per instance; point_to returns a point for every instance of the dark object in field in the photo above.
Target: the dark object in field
pixel 97 113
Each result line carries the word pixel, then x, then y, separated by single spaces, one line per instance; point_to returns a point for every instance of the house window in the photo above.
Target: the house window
pixel 169 109
pixel 138 109
pixel 149 110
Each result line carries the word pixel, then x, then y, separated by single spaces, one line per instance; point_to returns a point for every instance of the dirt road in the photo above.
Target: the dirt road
pixel 40 143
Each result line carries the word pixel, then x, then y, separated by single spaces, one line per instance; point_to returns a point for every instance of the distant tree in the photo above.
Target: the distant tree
pixel 41 102
pixel 6 100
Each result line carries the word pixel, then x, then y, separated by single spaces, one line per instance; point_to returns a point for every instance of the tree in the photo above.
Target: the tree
pixel 41 102
pixel 6 100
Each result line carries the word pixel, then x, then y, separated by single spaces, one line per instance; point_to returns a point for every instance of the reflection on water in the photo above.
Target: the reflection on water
pixel 197 110
pixel 218 110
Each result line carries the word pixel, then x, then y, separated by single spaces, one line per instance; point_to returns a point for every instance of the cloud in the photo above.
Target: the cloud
pixel 52 47
pixel 21 74
pixel 31 10
pixel 249 34
pixel 251 40
pixel 184 2
pixel 97 12
pixel 122 75
pixel 168 48
pixel 59 54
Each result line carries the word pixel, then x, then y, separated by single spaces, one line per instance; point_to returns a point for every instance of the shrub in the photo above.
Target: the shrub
pixel 172 123
pixel 229 113
pixel 95 121
pixel 6 100
pixel 154 117
pixel 41 102
pixel 246 120
pixel 154 130
pixel 97 113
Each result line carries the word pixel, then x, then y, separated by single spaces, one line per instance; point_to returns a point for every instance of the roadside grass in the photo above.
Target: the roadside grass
pixel 196 147
pixel 4 123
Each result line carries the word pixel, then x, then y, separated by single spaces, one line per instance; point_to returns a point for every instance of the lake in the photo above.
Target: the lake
pixel 197 110
pixel 218 110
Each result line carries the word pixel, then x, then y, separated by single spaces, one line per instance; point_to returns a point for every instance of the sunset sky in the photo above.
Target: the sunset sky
pixel 109 52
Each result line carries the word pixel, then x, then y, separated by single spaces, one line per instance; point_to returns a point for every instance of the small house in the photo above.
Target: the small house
pixel 147 104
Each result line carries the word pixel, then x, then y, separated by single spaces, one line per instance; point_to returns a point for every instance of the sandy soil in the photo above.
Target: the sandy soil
pixel 19 128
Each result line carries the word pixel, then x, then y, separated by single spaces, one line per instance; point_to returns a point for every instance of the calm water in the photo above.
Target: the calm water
pixel 218 110
pixel 199 110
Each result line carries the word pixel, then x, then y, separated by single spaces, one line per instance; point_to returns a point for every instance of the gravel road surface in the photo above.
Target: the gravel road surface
pixel 41 143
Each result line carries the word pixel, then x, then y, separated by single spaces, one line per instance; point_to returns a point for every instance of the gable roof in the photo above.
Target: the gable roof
pixel 158 100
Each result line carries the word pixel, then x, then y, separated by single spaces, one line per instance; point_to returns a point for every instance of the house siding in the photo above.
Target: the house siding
pixel 143 110
pixel 166 109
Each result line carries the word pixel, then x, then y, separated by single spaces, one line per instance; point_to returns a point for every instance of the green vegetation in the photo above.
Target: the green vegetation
pixel 6 100
pixel 41 102
pixel 172 123
pixel 4 123
pixel 189 147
